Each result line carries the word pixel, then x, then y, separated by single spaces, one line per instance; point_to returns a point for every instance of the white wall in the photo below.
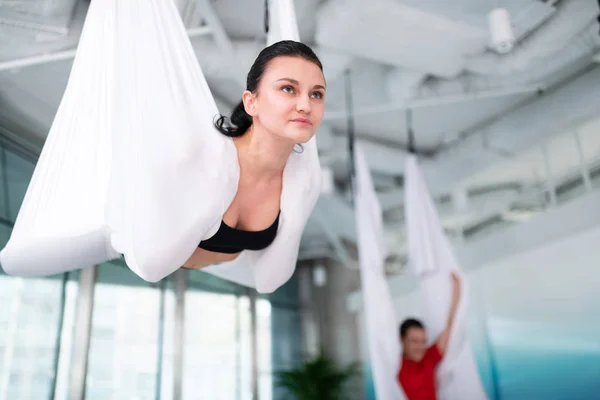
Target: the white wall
pixel 556 282
pixel 543 314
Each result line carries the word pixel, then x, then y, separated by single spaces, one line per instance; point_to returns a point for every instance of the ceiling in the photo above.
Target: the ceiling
pixel 480 119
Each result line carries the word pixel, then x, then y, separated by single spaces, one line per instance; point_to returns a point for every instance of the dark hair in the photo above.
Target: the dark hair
pixel 409 323
pixel 240 121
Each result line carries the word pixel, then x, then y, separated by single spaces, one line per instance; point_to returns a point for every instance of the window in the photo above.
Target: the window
pixel 31 322
pixel 211 346
pixel 263 334
pixel 124 347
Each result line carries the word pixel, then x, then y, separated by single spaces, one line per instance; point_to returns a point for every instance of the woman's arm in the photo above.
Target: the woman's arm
pixel 442 342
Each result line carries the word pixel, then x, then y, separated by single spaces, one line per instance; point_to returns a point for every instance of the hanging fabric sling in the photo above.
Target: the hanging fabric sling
pixel 132 164
pixel 380 317
pixel 432 259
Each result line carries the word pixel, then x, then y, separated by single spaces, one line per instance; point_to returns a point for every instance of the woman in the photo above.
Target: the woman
pixel 133 167
pixel 282 107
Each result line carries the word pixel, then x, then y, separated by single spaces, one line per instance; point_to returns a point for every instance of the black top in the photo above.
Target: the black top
pixel 230 240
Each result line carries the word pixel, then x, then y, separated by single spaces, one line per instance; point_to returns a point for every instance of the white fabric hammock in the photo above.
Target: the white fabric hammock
pixel 132 164
pixel 381 321
pixel 432 259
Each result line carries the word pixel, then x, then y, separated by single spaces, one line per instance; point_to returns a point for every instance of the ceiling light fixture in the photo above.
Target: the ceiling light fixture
pixel 502 37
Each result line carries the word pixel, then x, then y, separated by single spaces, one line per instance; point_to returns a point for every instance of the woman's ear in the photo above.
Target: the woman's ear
pixel 249 101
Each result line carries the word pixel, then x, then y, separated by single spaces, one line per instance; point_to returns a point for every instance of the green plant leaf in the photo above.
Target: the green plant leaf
pixel 318 378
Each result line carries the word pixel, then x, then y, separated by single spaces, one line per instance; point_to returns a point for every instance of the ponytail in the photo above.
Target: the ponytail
pixel 236 125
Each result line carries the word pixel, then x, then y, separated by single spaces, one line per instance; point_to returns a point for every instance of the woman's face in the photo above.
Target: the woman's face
pixel 290 99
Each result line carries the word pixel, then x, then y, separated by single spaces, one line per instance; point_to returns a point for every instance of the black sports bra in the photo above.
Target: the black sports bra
pixel 229 240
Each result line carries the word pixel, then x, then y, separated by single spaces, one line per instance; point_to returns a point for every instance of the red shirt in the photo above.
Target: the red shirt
pixel 418 378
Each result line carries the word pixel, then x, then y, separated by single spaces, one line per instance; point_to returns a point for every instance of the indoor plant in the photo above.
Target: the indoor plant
pixel 318 378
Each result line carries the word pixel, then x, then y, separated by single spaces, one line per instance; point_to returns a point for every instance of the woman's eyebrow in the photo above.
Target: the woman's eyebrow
pixel 295 82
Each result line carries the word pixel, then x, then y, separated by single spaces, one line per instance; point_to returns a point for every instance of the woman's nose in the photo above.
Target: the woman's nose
pixel 303 105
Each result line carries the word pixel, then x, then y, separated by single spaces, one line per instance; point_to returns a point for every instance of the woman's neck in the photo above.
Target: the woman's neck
pixel 262 156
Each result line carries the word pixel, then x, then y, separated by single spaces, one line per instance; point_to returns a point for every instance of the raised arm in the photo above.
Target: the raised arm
pixel 442 342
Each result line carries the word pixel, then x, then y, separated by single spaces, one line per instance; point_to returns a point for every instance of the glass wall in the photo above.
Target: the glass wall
pixel 36 315
pixel 212 343
pixel 132 328
pixel 31 327
pixel 282 328
pixel 124 339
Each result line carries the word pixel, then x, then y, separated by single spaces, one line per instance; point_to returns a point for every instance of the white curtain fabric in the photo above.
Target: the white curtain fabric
pixel 432 259
pixel 380 317
pixel 133 165
pixel 283 23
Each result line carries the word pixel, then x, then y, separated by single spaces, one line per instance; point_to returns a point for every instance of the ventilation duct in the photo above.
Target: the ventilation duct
pixel 52 16
pixel 392 33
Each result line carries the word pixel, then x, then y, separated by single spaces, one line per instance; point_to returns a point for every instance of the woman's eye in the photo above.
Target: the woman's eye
pixel 288 89
pixel 317 95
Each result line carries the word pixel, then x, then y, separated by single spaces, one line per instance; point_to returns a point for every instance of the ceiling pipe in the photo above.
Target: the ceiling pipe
pixel 432 101
pixel 62 55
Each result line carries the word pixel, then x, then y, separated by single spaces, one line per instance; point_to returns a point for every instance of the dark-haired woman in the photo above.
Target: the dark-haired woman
pixel 281 108
pixel 144 174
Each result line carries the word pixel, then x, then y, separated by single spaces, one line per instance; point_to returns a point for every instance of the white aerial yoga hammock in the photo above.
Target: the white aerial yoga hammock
pixel 132 164
pixel 380 318
pixel 432 259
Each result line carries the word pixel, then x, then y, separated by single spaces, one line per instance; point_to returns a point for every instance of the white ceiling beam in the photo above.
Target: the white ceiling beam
pixel 45 58
pixel 37 60
pixel 381 158
pixel 402 84
pixel 394 198
pixel 555 112
pixel 34 24
pixel 187 10
pixel 319 214
pixel 404 36
pixel 225 44
pixel 432 101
